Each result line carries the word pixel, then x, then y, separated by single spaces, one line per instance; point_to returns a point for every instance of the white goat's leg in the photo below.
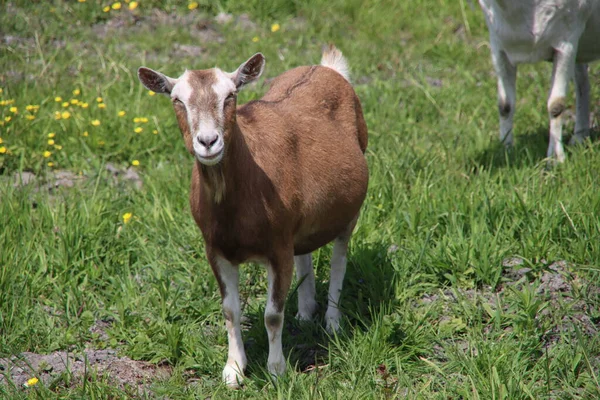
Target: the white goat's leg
pixel 306 291
pixel 582 93
pixel 336 280
pixel 507 94
pixel 279 272
pixel 562 72
pixel 228 276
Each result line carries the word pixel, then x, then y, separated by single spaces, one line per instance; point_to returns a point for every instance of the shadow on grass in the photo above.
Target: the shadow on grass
pixel 368 288
pixel 529 150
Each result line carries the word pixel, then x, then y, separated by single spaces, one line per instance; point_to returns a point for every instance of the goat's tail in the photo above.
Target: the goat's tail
pixel 333 58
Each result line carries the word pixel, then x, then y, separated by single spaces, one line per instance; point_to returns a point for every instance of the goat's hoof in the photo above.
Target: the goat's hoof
pixel 232 376
pixel 577 139
pixel 276 368
pixel 332 324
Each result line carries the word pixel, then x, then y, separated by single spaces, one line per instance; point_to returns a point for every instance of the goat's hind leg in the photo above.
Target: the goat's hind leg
pixel 507 93
pixel 582 93
pixel 305 274
pixel 336 280
pixel 564 65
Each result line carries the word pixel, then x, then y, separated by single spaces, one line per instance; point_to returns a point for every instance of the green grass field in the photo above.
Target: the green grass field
pixel 473 272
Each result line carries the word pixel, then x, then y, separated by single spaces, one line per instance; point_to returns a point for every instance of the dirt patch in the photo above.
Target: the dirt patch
pixel 197 25
pixel 49 368
pixel 55 180
pixel 567 301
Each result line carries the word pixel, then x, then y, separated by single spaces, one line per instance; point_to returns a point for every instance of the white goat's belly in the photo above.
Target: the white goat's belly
pixel 529 31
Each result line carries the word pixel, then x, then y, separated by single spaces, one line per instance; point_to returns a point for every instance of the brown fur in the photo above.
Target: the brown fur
pixel 293 170
pixel 292 176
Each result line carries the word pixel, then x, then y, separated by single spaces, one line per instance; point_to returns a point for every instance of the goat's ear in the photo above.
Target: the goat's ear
pixel 155 81
pixel 249 70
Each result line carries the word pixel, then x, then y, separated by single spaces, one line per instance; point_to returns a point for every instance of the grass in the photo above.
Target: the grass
pixel 437 302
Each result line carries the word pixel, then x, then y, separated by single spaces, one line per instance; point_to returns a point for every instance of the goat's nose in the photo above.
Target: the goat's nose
pixel 208 141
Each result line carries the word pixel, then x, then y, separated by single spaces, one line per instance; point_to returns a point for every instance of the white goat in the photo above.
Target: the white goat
pixel 566 32
pixel 274 180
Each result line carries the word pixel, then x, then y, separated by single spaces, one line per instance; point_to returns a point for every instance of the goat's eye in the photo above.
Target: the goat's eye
pixel 176 101
pixel 231 96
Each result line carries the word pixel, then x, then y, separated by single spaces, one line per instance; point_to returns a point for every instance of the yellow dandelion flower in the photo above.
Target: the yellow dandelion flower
pixel 58 99
pixel 81 1
pixel 47 154
pixel 255 39
pixel 50 142
pixel 74 101
pixel 51 135
pixel 138 129
pixel 136 120
pixel 143 119
pixel 96 122
pixel 193 5
pixel 116 6
pixel 2 102
pixel 99 99
pixel 135 163
pixel 57 115
pixel 30 117
pixel 127 217
pixel 275 27
pixel 1 140
pixel 1 90
pixel 106 9
pixel 65 115
pixel 7 119
pixel 133 5
pixel 155 132
pixel 58 147
pixel 29 107
pixel 84 105
pixel 65 104
pixel 14 110
pixel 151 93
pixel 85 134
pixel 2 150
pixel 32 381
pixel 51 164
pixel 101 142
pixel 76 92
pixel 101 105
pixel 121 113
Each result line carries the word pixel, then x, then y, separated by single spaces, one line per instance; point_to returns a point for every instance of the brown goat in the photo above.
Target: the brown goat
pixel 273 180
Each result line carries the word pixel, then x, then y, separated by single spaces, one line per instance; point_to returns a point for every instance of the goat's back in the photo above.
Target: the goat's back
pixel 531 30
pixel 308 136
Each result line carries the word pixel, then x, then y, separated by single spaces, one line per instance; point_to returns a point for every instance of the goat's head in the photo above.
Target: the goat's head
pixel 205 104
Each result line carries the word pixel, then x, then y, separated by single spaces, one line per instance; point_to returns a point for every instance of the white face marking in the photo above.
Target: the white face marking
pixel 224 85
pixel 182 89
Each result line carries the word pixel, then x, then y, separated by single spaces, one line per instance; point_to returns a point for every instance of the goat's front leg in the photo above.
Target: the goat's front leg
pixel 582 93
pixel 336 279
pixel 306 291
pixel 227 275
pixel 507 93
pixel 564 64
pixel 279 272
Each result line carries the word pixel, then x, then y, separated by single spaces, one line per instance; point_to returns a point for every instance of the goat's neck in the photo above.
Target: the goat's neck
pixel 217 179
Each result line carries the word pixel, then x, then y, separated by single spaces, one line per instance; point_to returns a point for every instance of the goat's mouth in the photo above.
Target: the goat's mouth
pixel 210 159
